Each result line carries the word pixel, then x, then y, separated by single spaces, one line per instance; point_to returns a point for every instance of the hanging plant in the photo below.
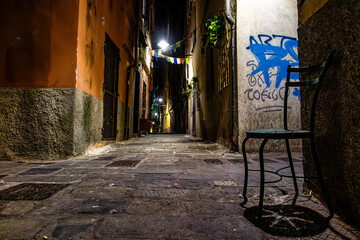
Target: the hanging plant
pixel 216 30
pixel 188 90
pixel 194 82
pixel 191 86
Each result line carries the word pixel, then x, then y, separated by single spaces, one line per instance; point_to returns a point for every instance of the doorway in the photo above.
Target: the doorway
pixel 136 104
pixel 110 88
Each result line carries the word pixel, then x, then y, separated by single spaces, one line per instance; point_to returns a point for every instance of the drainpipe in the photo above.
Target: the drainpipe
pixel 231 21
pixel 126 127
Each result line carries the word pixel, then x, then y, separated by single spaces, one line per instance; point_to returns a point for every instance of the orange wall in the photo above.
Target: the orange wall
pixel 38 43
pixel 119 24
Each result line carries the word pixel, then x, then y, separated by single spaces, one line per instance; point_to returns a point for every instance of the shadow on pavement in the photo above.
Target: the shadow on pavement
pixel 288 220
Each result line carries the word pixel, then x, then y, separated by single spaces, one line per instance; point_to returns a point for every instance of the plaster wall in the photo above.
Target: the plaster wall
pixel 212 107
pixel 88 121
pixel 117 19
pixel 120 121
pixel 308 8
pixel 38 43
pixel 52 71
pixel 164 113
pixel 144 109
pixel 338 111
pixel 266 45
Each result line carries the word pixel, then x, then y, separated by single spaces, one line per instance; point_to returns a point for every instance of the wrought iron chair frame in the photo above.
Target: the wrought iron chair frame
pixel 287 134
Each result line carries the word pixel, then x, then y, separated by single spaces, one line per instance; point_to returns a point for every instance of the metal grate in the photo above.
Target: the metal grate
pixel 31 191
pixel 124 163
pixel 213 161
pixel 38 171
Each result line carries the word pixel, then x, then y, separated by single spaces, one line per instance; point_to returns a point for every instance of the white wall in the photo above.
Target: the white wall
pixel 266 44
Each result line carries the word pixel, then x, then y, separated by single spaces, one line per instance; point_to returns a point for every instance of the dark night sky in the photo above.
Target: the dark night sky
pixel 169 13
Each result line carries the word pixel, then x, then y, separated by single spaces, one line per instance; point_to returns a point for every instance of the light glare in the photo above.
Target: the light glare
pixel 163 44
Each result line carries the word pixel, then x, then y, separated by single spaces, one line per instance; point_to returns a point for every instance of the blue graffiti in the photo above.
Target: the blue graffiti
pixel 270 56
pixel 296 93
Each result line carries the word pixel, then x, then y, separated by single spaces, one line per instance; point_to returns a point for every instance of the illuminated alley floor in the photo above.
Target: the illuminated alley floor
pixel 153 187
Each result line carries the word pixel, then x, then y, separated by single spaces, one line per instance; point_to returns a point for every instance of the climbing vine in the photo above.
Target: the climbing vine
pixel 216 30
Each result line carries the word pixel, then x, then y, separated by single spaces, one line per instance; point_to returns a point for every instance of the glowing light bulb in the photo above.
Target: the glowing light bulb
pixel 163 44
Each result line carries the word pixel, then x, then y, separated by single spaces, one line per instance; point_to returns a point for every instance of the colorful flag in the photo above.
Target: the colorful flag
pixel 172 59
pixel 168 59
pixel 178 44
pixel 187 60
pixel 159 52
pixel 178 61
pixel 175 60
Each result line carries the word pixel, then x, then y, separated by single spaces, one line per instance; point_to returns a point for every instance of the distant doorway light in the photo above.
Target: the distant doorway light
pixel 163 44
pixel 160 100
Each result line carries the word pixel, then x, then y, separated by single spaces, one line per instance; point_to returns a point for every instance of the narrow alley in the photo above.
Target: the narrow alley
pixel 187 119
pixel 153 187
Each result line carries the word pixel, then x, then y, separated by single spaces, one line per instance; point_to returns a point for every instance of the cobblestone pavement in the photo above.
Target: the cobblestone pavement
pixel 153 187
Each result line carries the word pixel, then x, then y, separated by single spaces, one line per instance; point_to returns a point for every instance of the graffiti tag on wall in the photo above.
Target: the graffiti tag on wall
pixel 273 54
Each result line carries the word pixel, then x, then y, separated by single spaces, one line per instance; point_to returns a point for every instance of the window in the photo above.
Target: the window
pixel 224 63
pixel 223 77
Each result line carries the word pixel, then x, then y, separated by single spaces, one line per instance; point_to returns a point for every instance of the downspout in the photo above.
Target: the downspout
pixel 126 127
pixel 231 21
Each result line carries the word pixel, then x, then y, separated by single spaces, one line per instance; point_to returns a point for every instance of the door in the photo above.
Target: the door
pixel 136 104
pixel 111 76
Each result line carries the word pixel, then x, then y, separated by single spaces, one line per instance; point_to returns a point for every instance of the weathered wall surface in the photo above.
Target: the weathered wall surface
pixel 212 102
pixel 88 121
pixel 121 121
pixel 36 123
pixel 266 45
pixel 42 124
pixel 37 71
pixel 117 19
pixel 58 45
pixel 308 8
pixel 38 43
pixel 338 112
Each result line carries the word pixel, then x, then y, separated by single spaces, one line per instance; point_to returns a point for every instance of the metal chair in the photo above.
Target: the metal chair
pixel 287 134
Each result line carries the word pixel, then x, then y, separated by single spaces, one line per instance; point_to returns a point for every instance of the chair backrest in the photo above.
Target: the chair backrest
pixel 321 69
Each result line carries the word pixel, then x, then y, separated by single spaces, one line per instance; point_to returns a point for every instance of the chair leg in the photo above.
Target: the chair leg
pixel 246 171
pixel 292 170
pixel 320 177
pixel 262 177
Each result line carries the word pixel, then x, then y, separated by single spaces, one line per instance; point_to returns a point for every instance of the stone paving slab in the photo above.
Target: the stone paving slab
pixel 181 187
